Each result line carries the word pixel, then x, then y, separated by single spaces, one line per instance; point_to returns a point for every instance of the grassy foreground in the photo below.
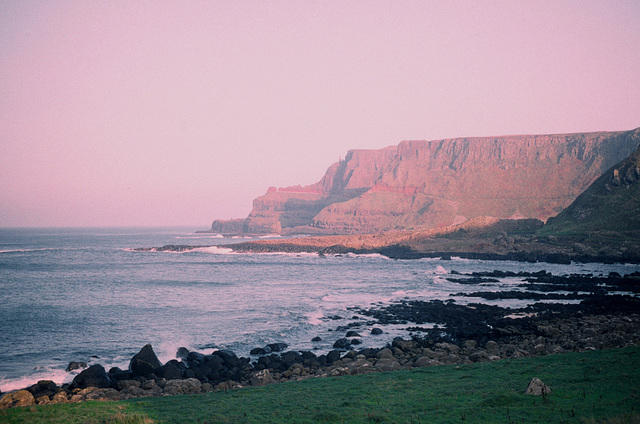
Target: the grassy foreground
pixel 589 387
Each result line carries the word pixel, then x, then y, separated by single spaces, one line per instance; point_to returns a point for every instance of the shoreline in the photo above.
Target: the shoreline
pixel 463 334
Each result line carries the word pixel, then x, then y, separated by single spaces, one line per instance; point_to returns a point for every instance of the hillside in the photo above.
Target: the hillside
pixel 432 184
pixel 610 204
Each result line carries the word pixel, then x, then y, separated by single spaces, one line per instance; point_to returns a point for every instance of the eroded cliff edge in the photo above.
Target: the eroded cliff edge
pixel 431 184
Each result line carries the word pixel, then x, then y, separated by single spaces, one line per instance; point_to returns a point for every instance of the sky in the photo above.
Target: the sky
pixel 125 113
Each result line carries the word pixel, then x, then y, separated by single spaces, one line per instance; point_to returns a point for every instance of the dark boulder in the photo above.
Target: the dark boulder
pixel 333 356
pixel 317 339
pixel 43 387
pixel 194 358
pixel 116 374
pixel 230 359
pixel 259 351
pixel 291 357
pixel 94 376
pixel 353 334
pixel 342 343
pixel 278 347
pixel 172 370
pixel 144 362
pixel 182 353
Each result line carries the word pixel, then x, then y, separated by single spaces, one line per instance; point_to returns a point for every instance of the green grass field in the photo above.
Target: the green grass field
pixel 589 387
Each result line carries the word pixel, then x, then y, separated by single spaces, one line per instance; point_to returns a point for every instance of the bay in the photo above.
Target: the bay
pixel 84 294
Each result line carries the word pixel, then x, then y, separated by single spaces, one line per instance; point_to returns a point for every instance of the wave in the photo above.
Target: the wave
pixel 213 249
pixel 215 236
pixel 30 250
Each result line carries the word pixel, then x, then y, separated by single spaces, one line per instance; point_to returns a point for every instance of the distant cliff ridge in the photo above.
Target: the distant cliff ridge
pixel 426 184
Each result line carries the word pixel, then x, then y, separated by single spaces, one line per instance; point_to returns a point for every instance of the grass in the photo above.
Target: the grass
pixel 588 387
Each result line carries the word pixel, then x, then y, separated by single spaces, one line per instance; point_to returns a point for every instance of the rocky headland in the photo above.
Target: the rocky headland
pixel 431 184
pixel 461 334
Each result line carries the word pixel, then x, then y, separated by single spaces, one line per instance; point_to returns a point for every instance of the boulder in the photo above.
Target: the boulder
pixel 171 370
pixel 94 376
pixel 277 347
pixel 144 362
pixel 261 378
pixel 125 384
pixel 333 356
pixel 60 397
pixel 183 387
pixel 259 351
pixel 342 343
pixel 537 388
pixel 385 353
pixel 376 331
pixel 19 398
pixel 43 387
pixel 182 353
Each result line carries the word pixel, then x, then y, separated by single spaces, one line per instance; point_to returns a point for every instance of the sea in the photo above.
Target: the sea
pixel 86 294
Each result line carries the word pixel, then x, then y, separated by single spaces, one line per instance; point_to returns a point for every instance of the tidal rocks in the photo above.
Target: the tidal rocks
pixel 94 376
pixel 15 399
pixel 144 362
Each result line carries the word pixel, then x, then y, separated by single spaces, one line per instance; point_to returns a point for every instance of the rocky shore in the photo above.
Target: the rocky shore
pixel 462 334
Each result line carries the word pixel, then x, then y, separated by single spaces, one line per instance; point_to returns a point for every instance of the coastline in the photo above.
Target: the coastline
pixel 463 334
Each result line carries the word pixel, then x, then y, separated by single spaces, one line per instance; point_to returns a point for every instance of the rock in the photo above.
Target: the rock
pixel 376 331
pixel 387 364
pixel 94 376
pixel 277 347
pixel 537 388
pixel 261 378
pixel 171 370
pixel 342 343
pixel 317 339
pixel 47 387
pixel 182 353
pixel 352 334
pixel 260 351
pixel 43 400
pixel 333 356
pixel 60 397
pixel 76 366
pixel 144 362
pixel 125 384
pixel 19 398
pixel 183 387
pixel 385 353
pixel 104 394
pixel 425 361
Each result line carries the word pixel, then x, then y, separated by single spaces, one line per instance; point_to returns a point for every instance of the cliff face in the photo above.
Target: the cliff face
pixel 421 184
pixel 611 203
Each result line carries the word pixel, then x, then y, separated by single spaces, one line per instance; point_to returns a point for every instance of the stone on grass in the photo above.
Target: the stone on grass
pixel 537 388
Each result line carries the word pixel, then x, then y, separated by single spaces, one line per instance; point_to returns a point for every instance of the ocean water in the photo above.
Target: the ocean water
pixel 85 295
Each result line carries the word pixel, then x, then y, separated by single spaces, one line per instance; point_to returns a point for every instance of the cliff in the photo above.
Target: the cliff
pixel 429 184
pixel 611 204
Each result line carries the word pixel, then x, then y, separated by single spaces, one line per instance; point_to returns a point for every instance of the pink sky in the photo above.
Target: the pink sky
pixel 181 112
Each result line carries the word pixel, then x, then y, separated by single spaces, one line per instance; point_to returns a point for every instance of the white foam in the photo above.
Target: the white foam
pixel 440 270
pixel 58 376
pixel 213 249
pixel 315 317
pixel 215 236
